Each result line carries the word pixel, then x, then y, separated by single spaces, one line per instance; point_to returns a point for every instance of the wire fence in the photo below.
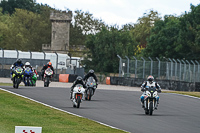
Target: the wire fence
pixel 171 69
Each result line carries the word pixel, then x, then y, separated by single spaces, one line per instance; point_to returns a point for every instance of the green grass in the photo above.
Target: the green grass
pixel 18 111
pixel 195 94
pixel 8 84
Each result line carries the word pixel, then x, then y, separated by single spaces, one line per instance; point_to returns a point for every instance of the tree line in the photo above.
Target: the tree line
pixel 25 25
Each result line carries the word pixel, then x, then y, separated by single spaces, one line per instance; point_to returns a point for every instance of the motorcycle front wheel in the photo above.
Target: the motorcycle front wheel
pixel 151 108
pixel 78 101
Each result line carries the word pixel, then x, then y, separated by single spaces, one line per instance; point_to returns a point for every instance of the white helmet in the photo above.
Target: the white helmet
pixel 27 64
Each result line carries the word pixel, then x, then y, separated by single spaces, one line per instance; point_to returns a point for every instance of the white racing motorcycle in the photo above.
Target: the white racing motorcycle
pixel 47 77
pixel 150 100
pixel 77 95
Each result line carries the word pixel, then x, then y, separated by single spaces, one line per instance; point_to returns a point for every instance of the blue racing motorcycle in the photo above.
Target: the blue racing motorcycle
pixel 28 73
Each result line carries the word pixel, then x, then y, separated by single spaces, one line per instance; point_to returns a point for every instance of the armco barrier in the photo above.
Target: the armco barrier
pixel 165 84
pixel 72 77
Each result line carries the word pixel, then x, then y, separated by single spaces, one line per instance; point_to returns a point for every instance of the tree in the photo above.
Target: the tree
pixel 26 31
pixel 87 22
pixel 163 38
pixel 4 20
pixel 188 44
pixel 142 29
pixel 104 47
pixel 10 5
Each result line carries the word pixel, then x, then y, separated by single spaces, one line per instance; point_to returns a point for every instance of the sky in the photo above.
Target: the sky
pixel 121 12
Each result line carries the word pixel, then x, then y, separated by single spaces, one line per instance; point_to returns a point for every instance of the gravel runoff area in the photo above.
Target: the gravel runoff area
pixel 40 83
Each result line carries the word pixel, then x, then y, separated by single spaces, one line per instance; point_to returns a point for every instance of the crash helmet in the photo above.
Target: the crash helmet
pixel 91 71
pixel 150 79
pixel 27 64
pixel 49 64
pixel 19 61
pixel 79 78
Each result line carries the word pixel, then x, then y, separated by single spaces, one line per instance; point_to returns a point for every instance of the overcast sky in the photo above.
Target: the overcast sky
pixel 121 12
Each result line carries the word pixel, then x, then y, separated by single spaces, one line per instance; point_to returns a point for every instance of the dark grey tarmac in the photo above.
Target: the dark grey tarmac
pixel 122 109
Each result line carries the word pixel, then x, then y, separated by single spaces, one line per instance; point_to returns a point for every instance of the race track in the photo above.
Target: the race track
pixel 122 109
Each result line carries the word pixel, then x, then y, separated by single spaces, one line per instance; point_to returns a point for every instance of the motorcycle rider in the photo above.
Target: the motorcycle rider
pixel 48 65
pixel 18 63
pixel 150 82
pixel 28 65
pixel 79 80
pixel 90 74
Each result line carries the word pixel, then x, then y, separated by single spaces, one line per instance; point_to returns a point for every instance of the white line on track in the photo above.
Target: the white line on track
pixel 184 95
pixel 59 109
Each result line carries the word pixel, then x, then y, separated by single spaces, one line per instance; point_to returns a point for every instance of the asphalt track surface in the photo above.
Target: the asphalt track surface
pixel 122 109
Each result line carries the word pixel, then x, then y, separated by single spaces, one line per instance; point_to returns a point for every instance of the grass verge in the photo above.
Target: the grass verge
pixel 195 94
pixel 8 84
pixel 18 111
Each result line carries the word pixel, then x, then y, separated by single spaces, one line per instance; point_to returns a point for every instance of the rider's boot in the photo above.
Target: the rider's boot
pixel 71 93
pixel 156 106
pixel 11 76
pixel 142 104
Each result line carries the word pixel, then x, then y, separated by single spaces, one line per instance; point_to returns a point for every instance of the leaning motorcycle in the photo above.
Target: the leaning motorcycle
pixel 47 77
pixel 91 87
pixel 28 73
pixel 77 95
pixel 34 79
pixel 17 76
pixel 150 100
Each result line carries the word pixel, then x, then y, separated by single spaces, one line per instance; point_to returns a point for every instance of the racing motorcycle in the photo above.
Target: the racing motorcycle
pixel 47 77
pixel 150 100
pixel 77 95
pixel 91 87
pixel 28 73
pixel 17 76
pixel 34 79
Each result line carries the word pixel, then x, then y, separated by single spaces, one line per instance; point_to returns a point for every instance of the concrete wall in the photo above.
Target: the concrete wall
pixel 165 84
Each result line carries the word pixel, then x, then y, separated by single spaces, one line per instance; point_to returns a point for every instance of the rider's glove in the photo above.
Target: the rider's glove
pixel 159 91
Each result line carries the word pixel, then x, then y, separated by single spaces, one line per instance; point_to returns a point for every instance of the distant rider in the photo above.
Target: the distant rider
pixel 48 65
pixel 90 74
pixel 79 80
pixel 27 64
pixel 149 83
pixel 18 63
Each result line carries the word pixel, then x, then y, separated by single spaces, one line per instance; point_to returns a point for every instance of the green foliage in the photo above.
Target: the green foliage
pixel 10 5
pixel 189 35
pixel 163 39
pixel 24 29
pixel 176 37
pixel 27 31
pixel 87 23
pixel 105 46
pixel 144 24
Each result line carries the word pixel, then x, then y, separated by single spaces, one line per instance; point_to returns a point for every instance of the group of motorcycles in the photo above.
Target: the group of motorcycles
pixel 27 76
pixel 79 93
